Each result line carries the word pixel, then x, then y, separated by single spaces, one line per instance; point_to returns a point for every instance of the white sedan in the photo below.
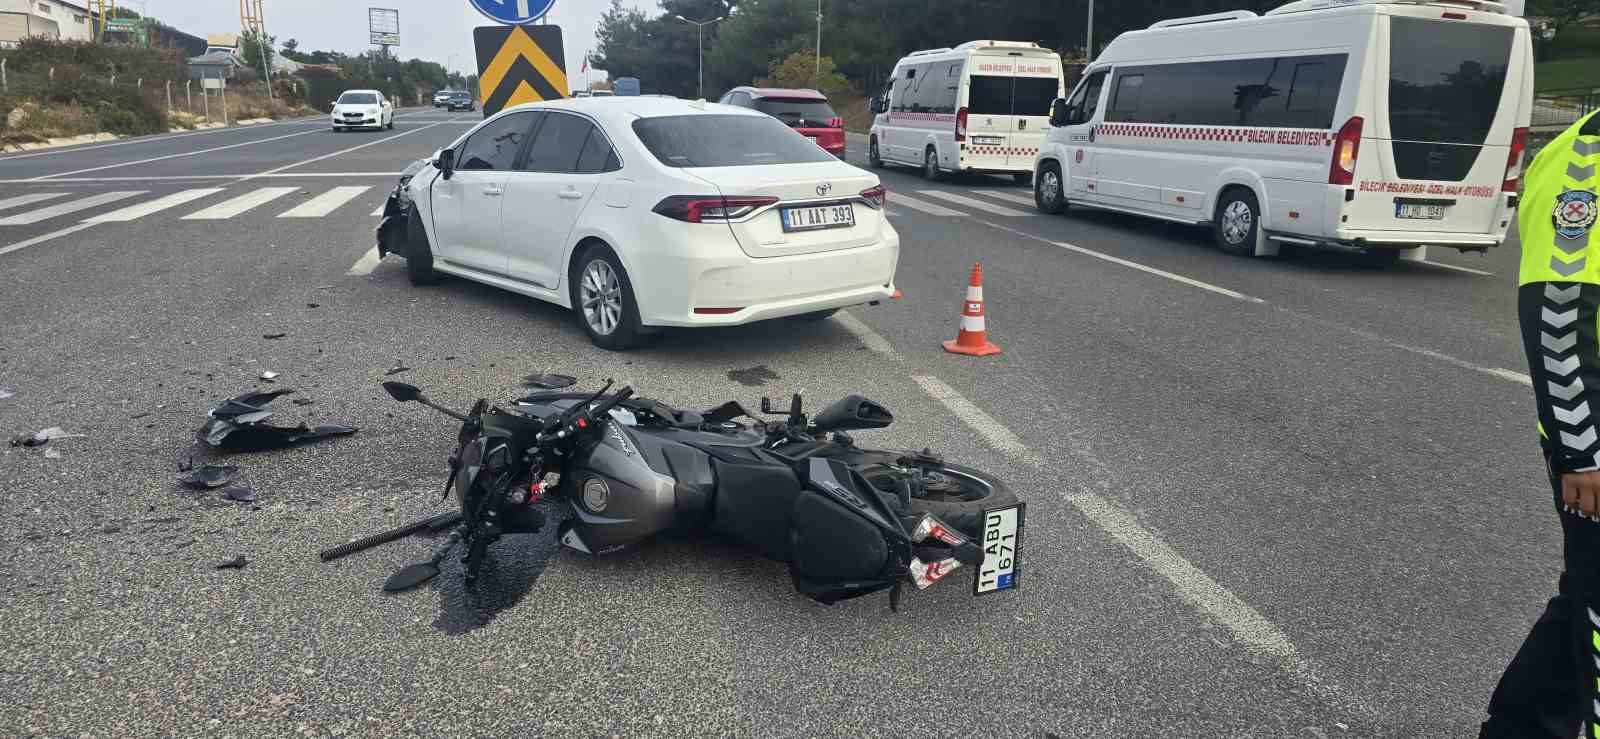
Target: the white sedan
pixel 647 212
pixel 362 109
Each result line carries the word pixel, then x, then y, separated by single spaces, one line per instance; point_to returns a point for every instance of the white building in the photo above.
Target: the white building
pixel 55 19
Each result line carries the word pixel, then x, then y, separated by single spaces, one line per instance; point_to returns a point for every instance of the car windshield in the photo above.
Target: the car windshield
pixel 798 112
pixel 460 96
pixel 358 98
pixel 725 141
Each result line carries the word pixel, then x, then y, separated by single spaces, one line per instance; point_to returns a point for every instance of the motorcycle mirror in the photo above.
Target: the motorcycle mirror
pixel 411 577
pixel 402 392
pixel 550 382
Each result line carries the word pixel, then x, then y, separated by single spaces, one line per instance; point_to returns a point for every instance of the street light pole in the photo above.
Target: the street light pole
pixel 816 77
pixel 701 27
pixel 1088 44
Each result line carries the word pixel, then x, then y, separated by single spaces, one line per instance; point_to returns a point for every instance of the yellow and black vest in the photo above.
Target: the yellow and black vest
pixel 1558 298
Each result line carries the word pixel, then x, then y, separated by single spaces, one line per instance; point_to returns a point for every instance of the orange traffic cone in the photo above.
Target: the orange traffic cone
pixel 974 337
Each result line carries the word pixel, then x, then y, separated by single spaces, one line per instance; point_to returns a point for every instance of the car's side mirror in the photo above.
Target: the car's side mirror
pixel 1059 112
pixel 446 162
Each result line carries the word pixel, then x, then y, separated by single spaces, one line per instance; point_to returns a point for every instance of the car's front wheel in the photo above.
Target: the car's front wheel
pixel 419 253
pixel 603 300
pixel 874 159
pixel 1048 193
pixel 930 165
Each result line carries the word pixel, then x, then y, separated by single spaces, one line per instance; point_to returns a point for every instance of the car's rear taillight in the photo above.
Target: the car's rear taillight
pixel 1346 147
pixel 1519 148
pixel 961 124
pixel 835 123
pixel 925 574
pixel 876 196
pixel 713 208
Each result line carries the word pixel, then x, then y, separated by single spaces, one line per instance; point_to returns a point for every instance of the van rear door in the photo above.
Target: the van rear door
pixel 1448 111
pixel 1037 84
pixel 1008 109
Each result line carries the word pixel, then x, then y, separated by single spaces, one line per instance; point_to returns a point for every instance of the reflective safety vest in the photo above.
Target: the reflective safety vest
pixel 1558 295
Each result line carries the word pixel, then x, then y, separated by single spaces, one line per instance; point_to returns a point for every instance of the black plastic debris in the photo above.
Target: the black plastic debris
pixel 240 424
pixel 273 337
pixel 209 477
pixel 397 369
pixel 313 305
pixel 303 401
pixel 240 495
pixel 549 382
pixel 237 563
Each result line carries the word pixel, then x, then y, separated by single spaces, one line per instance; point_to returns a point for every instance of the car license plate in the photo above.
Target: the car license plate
pixel 1002 530
pixel 811 219
pixel 1419 211
pixel 988 140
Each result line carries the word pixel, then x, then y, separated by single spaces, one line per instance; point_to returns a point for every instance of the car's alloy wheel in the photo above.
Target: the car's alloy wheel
pixel 600 294
pixel 603 299
pixel 1047 191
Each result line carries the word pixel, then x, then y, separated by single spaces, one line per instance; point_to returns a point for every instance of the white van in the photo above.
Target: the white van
pixel 983 106
pixel 1381 126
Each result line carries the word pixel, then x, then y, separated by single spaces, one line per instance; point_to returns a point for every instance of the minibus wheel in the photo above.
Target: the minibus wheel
pixel 1237 224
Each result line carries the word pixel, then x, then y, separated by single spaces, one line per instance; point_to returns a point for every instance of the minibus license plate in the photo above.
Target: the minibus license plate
pixel 1419 212
pixel 812 219
pixel 1002 531
pixel 988 140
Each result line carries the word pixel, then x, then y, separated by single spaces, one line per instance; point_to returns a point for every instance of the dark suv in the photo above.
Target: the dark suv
pixel 805 111
pixel 459 101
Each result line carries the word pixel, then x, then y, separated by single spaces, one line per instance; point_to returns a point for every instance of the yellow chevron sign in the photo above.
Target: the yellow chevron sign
pixel 519 64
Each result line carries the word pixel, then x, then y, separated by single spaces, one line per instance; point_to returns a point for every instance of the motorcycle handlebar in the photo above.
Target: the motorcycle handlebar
pixel 612 402
pixel 583 418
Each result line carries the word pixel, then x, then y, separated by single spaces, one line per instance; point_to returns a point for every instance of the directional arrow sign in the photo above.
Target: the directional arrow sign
pixel 514 11
pixel 519 64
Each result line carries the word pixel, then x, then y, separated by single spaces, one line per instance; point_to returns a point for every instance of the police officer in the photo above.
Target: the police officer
pixel 1552 687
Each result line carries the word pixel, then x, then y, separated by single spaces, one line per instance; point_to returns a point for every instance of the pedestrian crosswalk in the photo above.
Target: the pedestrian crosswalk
pixel 123 206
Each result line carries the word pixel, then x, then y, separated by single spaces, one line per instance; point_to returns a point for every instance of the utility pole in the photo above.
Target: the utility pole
pixel 254 21
pixel 702 28
pixel 1088 44
pixel 816 77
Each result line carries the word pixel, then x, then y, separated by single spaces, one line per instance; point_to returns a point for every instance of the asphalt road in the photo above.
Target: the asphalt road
pixel 1267 498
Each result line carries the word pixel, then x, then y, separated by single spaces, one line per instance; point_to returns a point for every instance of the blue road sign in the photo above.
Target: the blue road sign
pixel 513 11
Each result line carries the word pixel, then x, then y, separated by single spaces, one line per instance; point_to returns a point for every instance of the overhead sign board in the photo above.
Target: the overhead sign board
pixel 513 12
pixel 383 25
pixel 519 64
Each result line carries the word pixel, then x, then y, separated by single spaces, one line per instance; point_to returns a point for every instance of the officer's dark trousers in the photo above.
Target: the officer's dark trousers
pixel 1552 688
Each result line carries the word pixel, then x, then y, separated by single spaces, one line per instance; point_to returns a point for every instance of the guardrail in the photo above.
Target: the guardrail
pixel 1561 108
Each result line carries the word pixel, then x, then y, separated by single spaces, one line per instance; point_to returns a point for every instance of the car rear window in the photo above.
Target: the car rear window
pixel 1445 79
pixel 797 112
pixel 725 141
pixel 1002 95
pixel 358 98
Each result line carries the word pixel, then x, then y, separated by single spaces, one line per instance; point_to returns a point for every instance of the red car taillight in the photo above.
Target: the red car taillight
pixel 1346 147
pixel 1519 147
pixel 876 196
pixel 835 123
pixel 703 208
pixel 961 124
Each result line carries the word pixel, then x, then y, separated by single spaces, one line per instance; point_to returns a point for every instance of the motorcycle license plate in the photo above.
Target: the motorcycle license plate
pixel 1419 212
pixel 812 219
pixel 1002 535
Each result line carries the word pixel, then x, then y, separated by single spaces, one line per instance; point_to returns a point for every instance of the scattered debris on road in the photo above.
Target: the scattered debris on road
pixel 303 401
pixel 237 563
pixel 269 376
pixel 209 477
pixel 239 424
pixel 240 495
pixel 397 369
pixel 46 436
pixel 273 337
pixel 6 392
pixel 52 453
pixel 313 305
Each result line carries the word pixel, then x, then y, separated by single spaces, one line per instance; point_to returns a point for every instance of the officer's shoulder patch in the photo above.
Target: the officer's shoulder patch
pixel 1575 213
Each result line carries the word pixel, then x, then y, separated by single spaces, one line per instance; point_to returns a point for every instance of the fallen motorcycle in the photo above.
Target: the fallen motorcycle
pixel 848 521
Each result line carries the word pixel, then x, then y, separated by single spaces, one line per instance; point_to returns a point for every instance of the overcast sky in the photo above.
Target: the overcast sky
pixel 429 29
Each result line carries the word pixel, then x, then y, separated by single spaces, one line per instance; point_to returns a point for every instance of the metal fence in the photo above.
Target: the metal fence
pixel 1562 108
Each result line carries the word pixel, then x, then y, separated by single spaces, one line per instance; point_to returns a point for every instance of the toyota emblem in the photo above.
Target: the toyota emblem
pixel 823 189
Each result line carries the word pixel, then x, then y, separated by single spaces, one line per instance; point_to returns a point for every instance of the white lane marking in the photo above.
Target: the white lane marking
pixel 997 435
pixel 1195 586
pixel 235 206
pixel 148 139
pixel 61 209
pixel 134 212
pixel 990 208
pixel 188 177
pixel 1014 197
pixel 891 212
pixel 314 160
pixel 365 265
pixel 1129 264
pixel 22 200
pixel 1467 270
pixel 1504 374
pixel 898 198
pixel 325 203
pixel 41 239
pixel 179 155
pixel 869 338
pixel 380 210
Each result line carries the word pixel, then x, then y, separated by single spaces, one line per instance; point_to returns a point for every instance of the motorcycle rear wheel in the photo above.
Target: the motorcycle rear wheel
pixel 959 496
